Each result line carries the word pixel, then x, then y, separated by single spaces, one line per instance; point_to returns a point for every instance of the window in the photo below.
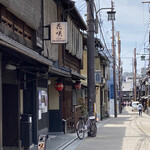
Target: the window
pixel 16 25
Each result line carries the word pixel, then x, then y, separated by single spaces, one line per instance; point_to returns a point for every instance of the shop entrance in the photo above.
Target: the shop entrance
pixel 10 115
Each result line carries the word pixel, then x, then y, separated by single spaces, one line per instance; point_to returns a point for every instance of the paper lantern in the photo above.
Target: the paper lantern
pixel 59 86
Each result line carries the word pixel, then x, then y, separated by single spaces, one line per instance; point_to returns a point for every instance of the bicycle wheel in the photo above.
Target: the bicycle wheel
pixel 93 129
pixel 80 130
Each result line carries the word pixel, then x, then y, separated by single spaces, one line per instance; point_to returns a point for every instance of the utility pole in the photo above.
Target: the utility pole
pixel 90 56
pixel 149 49
pixel 114 62
pixel 133 76
pixel 149 69
pixel 148 72
pixel 119 70
pixel 135 63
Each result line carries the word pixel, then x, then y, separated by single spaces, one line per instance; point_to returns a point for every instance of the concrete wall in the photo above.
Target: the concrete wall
pixel 27 10
pixel 98 102
pixel 97 63
pixel 84 70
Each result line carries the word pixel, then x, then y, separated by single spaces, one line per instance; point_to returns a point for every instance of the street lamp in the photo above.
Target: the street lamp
pixel 111 15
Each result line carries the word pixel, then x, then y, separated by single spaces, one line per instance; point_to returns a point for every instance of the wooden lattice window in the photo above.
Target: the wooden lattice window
pixel 16 25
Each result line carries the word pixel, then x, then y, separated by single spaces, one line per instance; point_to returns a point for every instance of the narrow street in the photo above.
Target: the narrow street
pixel 126 132
pixel 61 60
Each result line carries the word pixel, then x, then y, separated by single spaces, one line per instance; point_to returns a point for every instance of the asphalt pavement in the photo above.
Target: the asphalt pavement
pixel 128 131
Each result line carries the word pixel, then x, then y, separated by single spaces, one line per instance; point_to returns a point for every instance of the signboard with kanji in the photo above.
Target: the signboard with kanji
pixel 59 34
pixel 42 142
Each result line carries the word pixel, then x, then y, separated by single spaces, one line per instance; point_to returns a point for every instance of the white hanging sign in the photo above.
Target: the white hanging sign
pixel 59 34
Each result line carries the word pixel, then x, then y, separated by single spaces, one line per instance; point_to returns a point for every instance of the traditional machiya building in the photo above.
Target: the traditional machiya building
pixel 23 72
pixel 101 77
pixel 102 90
pixel 65 105
pixel 30 67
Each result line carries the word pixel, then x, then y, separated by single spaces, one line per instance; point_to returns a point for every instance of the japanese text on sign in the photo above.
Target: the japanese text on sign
pixel 59 32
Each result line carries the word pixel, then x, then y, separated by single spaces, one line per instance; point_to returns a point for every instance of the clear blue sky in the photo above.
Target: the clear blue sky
pixel 132 21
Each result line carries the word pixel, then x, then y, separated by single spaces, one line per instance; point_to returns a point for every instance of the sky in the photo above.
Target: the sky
pixel 132 21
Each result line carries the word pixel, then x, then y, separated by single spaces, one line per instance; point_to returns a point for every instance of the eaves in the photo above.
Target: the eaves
pixel 16 46
pixel 74 13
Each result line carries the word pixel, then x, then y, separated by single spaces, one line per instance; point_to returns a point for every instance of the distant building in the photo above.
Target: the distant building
pixel 128 86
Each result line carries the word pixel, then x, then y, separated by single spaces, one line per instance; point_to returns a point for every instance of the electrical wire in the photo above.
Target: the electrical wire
pixel 102 33
pixel 82 7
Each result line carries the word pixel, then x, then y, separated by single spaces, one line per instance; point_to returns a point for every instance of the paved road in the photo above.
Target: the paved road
pixel 126 132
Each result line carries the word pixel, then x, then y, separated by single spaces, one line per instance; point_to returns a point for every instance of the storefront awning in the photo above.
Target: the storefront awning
pixel 12 44
pixel 77 75
pixel 59 71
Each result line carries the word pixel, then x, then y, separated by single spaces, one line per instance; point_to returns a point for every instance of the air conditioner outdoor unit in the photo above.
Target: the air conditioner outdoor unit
pixel 97 76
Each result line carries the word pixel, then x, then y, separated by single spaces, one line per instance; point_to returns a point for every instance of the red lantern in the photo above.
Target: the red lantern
pixel 78 85
pixel 59 87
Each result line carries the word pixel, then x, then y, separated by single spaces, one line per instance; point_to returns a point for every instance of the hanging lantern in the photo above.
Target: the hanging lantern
pixel 78 85
pixel 142 58
pixel 59 86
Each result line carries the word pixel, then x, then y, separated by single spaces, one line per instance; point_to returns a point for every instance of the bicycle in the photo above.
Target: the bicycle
pixel 88 126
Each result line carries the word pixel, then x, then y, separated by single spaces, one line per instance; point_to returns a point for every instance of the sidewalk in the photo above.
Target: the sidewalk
pixel 60 141
pixel 122 125
pixel 128 131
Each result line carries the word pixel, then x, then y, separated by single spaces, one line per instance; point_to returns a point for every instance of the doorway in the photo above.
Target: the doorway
pixel 10 115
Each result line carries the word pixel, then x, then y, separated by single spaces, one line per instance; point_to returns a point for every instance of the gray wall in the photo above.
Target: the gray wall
pixel 27 10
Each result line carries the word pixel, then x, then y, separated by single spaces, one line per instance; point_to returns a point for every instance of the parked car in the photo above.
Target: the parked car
pixel 135 105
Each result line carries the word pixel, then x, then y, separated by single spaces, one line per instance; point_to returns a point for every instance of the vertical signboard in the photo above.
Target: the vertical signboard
pixel 42 142
pixel 59 34
pixel 43 102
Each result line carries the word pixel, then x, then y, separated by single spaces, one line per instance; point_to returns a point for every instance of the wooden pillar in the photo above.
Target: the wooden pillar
pixel 1 136
pixel 35 113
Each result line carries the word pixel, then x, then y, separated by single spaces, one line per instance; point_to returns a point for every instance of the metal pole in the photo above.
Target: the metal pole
pixel 149 69
pixel 90 56
pixel 119 71
pixel 114 63
pixel 149 63
pixel 135 74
